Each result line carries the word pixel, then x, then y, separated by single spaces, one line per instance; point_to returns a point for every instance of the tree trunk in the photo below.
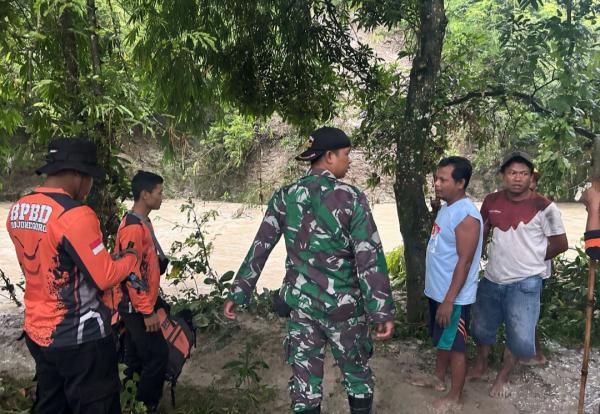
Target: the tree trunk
pixel 103 197
pixel 69 49
pixel 95 48
pixel 414 217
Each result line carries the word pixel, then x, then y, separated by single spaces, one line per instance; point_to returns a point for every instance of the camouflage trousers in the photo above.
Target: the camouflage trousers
pixel 351 347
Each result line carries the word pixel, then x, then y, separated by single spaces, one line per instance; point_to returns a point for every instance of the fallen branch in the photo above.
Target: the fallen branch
pixel 10 288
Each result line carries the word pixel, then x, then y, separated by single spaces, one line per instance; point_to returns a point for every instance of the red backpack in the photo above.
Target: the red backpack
pixel 180 335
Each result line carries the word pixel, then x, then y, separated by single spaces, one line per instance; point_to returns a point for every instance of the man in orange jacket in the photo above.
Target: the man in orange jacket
pixel 59 247
pixel 146 351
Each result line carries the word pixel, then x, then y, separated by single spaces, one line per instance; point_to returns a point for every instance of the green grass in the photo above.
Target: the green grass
pixel 15 394
pixel 212 400
pixel 15 398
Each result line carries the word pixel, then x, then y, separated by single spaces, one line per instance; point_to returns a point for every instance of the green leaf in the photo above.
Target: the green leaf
pixel 227 276
pixel 201 321
pixel 233 364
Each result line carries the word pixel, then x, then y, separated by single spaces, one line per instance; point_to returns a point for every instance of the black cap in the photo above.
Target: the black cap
pixel 72 154
pixel 517 156
pixel 324 139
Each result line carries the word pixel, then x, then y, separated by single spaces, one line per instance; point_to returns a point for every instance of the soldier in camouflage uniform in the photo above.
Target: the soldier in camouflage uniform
pixel 336 279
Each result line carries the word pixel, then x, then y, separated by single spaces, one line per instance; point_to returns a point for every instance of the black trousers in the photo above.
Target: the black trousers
pixel 82 379
pixel 147 354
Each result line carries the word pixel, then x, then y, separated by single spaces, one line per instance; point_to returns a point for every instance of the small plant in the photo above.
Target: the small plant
pixel 396 268
pixel 128 402
pixel 189 259
pixel 246 368
pixel 189 266
pixel 262 303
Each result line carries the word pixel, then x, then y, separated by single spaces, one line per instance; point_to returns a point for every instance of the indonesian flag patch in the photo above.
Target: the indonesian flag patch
pixel 97 246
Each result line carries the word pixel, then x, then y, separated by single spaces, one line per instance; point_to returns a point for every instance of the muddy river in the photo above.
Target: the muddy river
pixel 235 226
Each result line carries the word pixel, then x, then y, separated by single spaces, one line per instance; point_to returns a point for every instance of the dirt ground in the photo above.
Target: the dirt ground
pixel 392 364
pixel 549 389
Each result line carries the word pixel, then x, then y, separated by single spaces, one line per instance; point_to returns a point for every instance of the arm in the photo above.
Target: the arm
pixel 370 262
pixel 90 255
pixel 554 230
pixel 267 237
pixel 486 234
pixel 556 245
pixel 134 233
pixel 591 199
pixel 467 238
pixel 486 225
pixel 593 219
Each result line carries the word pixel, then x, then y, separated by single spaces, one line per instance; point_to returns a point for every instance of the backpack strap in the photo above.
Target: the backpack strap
pixel 173 383
pixel 159 250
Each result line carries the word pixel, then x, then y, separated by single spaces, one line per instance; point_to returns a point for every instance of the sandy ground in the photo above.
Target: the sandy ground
pixel 552 389
pixel 235 227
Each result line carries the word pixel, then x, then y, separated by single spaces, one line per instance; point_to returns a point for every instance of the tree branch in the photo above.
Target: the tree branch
pixel 475 94
pixel 530 100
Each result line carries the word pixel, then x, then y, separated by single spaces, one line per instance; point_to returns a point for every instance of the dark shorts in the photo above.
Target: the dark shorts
pixel 454 336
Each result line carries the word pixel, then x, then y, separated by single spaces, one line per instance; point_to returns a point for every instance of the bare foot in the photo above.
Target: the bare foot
pixel 500 389
pixel 446 405
pixel 428 381
pixel 536 360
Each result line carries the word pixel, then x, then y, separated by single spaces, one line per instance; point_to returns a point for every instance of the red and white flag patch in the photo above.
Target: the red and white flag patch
pixel 97 246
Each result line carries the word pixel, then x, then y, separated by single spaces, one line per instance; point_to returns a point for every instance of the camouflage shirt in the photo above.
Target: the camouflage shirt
pixel 335 265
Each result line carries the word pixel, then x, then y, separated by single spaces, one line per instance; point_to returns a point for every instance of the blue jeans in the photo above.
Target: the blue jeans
pixel 517 305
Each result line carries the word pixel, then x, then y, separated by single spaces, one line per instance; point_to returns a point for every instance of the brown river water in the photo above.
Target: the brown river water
pixel 235 226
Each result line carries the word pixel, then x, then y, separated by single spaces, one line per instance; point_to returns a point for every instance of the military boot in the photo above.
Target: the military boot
pixel 360 405
pixel 313 410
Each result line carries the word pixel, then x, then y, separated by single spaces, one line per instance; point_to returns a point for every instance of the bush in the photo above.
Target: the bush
pixel 397 268
pixel 222 154
pixel 16 395
pixel 564 300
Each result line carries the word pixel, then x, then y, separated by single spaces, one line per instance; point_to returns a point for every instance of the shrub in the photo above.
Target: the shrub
pixel 397 268
pixel 564 300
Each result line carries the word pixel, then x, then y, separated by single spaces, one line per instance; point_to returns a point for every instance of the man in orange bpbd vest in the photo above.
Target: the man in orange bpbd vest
pixel 146 350
pixel 66 266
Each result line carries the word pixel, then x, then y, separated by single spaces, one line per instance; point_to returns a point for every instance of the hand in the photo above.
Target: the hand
pixel 436 203
pixel 152 323
pixel 443 314
pixel 591 198
pixel 384 330
pixel 229 309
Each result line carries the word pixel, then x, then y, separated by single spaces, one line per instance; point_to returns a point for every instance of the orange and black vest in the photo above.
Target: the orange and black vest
pixel 66 266
pixel 138 232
